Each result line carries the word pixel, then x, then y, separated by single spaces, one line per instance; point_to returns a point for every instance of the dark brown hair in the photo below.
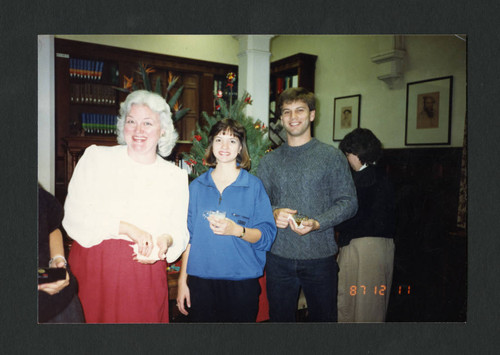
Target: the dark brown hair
pixel 363 143
pixel 231 127
pixel 297 94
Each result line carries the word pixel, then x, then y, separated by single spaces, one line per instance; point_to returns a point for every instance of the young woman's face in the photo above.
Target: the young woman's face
pixel 226 147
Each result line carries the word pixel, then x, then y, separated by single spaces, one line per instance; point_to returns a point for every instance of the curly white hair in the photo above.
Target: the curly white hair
pixel 157 104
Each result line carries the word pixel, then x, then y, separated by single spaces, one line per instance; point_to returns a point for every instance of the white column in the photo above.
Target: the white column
pixel 46 113
pixel 254 73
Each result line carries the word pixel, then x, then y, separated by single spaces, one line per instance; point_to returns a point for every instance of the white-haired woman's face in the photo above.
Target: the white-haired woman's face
pixel 142 131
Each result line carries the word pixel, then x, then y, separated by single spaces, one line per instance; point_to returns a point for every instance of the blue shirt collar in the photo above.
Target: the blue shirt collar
pixel 242 180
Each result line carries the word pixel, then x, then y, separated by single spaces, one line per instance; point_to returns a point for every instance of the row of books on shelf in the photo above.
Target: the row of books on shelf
pixel 92 94
pixel 286 82
pixel 85 69
pixel 98 123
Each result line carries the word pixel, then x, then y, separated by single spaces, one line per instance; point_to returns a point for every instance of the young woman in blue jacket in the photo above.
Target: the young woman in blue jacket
pixel 225 257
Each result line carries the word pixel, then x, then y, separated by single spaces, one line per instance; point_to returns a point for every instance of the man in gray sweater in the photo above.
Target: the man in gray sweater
pixel 311 178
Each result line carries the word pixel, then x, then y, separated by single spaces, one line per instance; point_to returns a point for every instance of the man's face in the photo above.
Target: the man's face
pixel 296 118
pixel 429 105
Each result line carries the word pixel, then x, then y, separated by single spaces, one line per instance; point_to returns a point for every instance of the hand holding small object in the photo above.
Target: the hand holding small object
pixel 143 239
pixel 306 226
pixel 282 215
pixel 222 226
pixel 55 287
pixel 163 242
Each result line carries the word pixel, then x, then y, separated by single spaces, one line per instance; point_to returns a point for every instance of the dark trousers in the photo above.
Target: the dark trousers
pixel 223 300
pixel 73 313
pixel 318 279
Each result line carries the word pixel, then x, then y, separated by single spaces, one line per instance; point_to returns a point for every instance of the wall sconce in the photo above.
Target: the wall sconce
pixel 390 65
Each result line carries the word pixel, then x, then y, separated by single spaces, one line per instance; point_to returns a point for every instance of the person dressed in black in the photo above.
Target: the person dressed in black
pixel 58 300
pixel 366 253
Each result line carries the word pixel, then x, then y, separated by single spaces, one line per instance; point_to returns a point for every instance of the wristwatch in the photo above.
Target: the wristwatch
pixel 56 257
pixel 243 233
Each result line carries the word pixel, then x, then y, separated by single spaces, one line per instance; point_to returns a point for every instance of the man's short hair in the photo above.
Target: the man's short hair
pixel 296 94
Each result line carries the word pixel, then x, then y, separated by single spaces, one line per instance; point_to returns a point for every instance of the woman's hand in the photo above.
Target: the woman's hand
pixel 163 242
pixel 183 297
pixel 55 287
pixel 223 226
pixel 143 239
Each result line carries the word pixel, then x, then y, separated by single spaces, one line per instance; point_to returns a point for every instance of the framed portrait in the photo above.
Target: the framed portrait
pixel 428 111
pixel 346 113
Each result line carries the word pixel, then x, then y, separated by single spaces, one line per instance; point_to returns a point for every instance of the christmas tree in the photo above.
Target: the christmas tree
pixel 257 139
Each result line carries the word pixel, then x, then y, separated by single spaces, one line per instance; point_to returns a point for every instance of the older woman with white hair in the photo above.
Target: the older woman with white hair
pixel 126 211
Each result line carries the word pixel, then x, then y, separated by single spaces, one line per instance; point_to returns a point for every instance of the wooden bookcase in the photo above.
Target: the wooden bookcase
pixel 296 70
pixel 82 93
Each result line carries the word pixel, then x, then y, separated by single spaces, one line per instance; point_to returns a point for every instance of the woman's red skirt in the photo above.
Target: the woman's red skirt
pixel 113 288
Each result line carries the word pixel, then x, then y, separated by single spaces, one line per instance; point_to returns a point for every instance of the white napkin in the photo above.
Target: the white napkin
pixel 293 220
pixel 152 256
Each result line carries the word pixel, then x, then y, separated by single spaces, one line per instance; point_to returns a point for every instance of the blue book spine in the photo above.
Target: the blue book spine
pixel 101 65
pixel 92 123
pixel 84 122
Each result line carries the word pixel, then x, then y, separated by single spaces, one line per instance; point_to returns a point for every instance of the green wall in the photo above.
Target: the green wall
pixel 344 67
pixel 213 48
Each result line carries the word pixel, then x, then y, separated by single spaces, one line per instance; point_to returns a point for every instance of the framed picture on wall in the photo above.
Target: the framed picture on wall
pixel 428 111
pixel 346 113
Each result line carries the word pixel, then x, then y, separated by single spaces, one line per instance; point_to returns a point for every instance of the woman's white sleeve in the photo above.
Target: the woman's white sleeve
pixel 178 220
pixel 89 218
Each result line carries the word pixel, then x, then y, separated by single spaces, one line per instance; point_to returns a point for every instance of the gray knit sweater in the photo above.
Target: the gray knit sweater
pixel 314 179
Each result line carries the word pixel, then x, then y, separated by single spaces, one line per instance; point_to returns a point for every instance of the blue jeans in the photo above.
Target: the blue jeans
pixel 318 279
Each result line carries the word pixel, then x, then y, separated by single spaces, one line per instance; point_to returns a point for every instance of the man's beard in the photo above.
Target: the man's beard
pixel 430 112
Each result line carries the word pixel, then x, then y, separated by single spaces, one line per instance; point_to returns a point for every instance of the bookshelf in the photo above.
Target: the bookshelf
pixel 87 102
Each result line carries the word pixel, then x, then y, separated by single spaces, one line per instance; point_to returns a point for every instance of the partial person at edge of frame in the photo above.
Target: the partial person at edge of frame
pixel 57 300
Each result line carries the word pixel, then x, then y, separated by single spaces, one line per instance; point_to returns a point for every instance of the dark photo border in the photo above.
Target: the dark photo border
pixel 22 21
